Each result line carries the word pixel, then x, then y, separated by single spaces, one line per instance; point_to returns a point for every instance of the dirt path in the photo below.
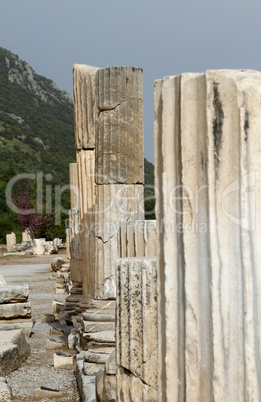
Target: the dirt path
pixel 38 369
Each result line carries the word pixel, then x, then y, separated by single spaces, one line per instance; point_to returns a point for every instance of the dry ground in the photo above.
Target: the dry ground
pixel 38 369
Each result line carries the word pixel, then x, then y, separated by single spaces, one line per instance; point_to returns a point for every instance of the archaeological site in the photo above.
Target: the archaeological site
pixel 166 309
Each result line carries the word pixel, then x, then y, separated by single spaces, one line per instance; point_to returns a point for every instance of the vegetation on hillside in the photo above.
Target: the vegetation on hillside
pixel 37 135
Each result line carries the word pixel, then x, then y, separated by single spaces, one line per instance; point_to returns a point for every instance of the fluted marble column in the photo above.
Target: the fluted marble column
pixel 136 330
pixel 208 175
pixel 119 127
pixel 137 238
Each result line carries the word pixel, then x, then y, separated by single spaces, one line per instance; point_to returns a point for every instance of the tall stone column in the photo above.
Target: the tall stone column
pixel 86 111
pixel 208 176
pixel 118 166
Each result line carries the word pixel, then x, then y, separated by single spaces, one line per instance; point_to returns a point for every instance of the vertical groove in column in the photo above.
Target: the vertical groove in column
pixel 85 105
pixel 194 231
pixel 136 328
pixel 74 190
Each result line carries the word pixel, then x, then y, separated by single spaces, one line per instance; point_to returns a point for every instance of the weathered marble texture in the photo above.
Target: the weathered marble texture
pixel 119 126
pixel 74 188
pixel 85 105
pixel 136 323
pixel 114 204
pixel 85 168
pixel 208 172
pixel 137 238
pixel 75 245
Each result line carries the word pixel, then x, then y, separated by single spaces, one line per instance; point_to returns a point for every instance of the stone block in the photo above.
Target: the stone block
pixel 136 324
pixel 45 392
pixel 85 105
pixel 90 326
pixel 25 324
pixel 137 238
pixel 53 344
pixel 47 317
pixel 14 310
pixel 96 357
pixel 114 203
pixel 119 126
pixel 13 350
pixel 131 388
pixel 63 360
pixel 106 387
pixel 92 368
pixel 13 293
pixel 10 241
pixel 86 384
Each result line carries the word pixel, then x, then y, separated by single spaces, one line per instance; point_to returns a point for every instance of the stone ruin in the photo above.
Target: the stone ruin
pixel 185 288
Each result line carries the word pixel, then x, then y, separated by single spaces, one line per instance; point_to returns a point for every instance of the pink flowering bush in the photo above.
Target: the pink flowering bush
pixel 27 216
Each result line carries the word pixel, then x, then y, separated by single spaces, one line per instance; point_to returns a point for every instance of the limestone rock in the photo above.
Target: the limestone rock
pixel 92 368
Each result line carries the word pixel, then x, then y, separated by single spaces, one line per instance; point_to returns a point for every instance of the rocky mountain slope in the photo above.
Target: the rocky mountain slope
pixel 36 122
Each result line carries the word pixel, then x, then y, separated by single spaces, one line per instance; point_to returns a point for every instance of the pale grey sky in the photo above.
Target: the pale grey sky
pixel 164 37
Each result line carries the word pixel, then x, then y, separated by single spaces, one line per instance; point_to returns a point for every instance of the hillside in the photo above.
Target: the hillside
pixel 37 132
pixel 36 122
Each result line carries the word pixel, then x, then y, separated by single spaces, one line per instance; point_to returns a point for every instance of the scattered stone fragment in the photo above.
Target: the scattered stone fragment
pixel 56 263
pixel 44 392
pixel 47 317
pixel 53 344
pixel 62 360
pixel 14 310
pixel 13 293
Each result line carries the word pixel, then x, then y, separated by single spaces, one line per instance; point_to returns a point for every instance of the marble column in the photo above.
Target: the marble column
pixel 208 177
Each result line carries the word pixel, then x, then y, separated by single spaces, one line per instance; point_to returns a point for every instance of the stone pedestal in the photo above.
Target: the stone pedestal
pixel 137 330
pixel 208 176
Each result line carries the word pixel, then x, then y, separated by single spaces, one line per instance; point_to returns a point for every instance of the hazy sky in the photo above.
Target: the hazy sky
pixel 164 37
